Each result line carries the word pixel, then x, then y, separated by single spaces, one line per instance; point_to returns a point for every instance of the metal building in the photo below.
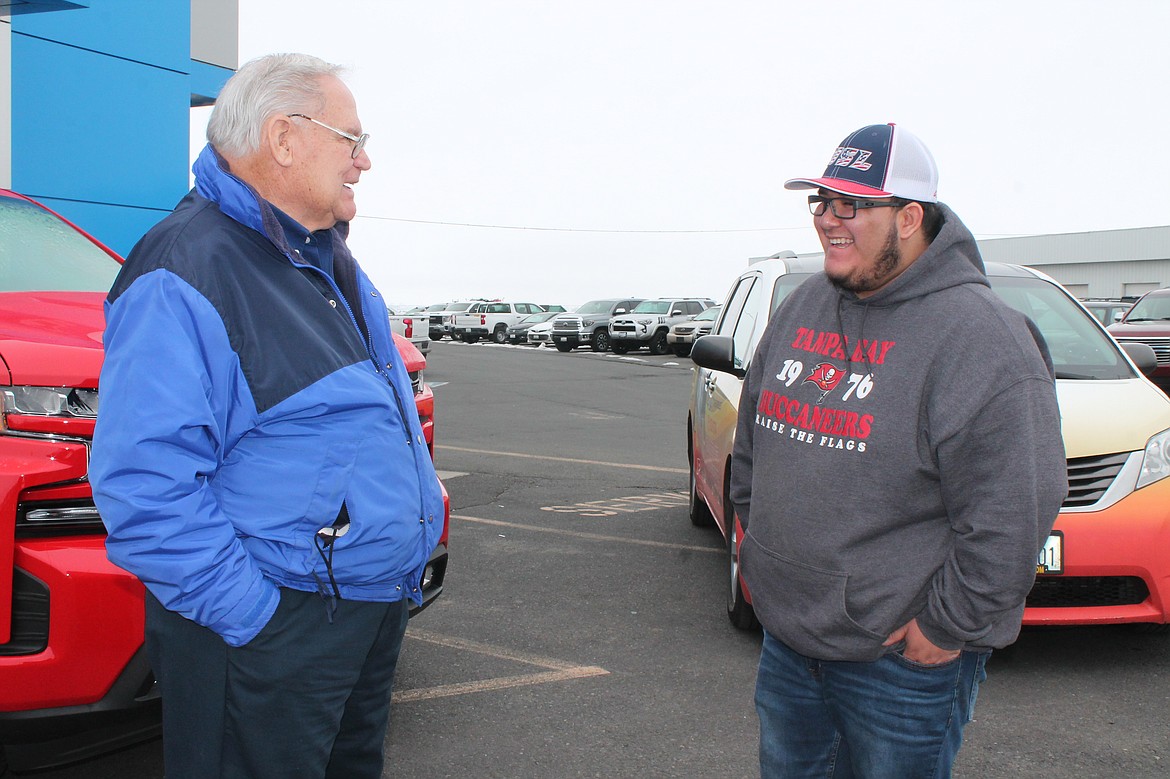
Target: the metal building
pixel 95 104
pixel 1102 264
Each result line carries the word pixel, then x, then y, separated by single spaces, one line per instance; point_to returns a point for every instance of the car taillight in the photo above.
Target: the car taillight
pixel 408 324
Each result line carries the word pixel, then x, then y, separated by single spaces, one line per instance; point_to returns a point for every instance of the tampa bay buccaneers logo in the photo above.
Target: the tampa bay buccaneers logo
pixel 826 376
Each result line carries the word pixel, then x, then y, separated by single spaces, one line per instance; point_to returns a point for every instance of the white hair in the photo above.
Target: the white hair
pixel 268 85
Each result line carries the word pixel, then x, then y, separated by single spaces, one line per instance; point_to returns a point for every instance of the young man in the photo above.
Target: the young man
pixel 258 461
pixel 892 526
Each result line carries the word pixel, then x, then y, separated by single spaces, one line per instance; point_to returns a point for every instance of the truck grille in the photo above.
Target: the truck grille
pixel 1090 477
pixel 625 327
pixel 1161 346
pixel 568 324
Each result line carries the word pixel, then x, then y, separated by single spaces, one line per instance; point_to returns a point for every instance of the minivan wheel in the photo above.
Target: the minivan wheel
pixel 600 341
pixel 700 514
pixel 739 611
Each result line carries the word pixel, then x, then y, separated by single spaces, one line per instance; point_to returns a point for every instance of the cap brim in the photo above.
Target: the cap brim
pixel 844 186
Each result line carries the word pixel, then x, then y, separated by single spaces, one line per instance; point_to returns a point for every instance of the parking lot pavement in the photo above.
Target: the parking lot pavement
pixel 574 640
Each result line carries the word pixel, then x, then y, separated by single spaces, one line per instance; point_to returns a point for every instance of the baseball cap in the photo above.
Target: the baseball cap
pixel 881 160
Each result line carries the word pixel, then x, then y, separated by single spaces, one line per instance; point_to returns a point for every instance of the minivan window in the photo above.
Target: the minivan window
pixel 1079 348
pixel 40 252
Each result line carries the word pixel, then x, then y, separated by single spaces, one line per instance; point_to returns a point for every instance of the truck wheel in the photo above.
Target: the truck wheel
pixel 500 334
pixel 658 344
pixel 436 336
pixel 468 338
pixel 600 341
pixel 564 347
pixel 617 347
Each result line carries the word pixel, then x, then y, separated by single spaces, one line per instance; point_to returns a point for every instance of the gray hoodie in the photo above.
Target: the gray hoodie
pixel 897 457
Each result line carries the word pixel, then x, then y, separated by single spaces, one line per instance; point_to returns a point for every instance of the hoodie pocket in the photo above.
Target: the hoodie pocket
pixel 805 606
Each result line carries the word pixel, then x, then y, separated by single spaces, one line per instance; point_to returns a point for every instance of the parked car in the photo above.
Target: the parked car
pixel 540 334
pixel 589 324
pixel 682 334
pixel 1108 558
pixel 649 322
pixel 490 319
pixel 74 676
pixel 1148 322
pixel 411 325
pixel 518 333
pixel 1107 311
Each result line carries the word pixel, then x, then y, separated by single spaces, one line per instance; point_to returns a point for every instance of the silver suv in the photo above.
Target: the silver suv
pixel 650 321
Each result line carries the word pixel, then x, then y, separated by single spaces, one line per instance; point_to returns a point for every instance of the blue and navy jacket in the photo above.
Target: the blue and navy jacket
pixel 244 401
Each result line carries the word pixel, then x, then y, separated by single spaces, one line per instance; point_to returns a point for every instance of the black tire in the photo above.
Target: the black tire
pixel 681 350
pixel 564 347
pixel 600 341
pixel 739 611
pixel 436 336
pixel 700 514
pixel 658 344
pixel 468 338
pixel 500 334
pixel 617 347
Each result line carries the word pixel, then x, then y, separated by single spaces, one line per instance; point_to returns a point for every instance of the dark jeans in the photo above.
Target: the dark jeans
pixel 889 719
pixel 305 698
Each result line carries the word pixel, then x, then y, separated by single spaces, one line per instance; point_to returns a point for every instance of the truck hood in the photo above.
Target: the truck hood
pixel 51 339
pixel 1139 329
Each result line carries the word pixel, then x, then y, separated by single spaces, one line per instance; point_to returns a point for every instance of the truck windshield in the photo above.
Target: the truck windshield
pixel 1150 308
pixel 596 307
pixel 39 252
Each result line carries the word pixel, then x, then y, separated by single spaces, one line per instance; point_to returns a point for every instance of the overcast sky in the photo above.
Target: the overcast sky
pixel 639 147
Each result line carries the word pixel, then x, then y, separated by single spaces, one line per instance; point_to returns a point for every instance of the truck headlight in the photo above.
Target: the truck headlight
pixel 47 402
pixel 1155 461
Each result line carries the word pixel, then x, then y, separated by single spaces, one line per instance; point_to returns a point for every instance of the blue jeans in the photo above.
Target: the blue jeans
pixel 839 720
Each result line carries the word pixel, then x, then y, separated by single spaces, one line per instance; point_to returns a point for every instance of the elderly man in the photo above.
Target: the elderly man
pixel 258 461
pixel 887 561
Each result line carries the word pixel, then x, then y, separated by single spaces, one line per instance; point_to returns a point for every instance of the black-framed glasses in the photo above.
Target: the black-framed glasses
pixel 846 207
pixel 359 141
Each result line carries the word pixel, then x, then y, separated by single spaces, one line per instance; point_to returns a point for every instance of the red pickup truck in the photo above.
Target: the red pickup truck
pixel 74 676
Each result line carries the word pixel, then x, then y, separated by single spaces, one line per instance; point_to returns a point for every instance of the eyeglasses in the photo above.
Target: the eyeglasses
pixel 846 207
pixel 359 141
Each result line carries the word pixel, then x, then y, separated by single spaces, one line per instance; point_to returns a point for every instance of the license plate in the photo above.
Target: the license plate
pixel 1051 557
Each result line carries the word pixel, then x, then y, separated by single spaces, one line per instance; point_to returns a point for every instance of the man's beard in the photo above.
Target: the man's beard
pixel 879 273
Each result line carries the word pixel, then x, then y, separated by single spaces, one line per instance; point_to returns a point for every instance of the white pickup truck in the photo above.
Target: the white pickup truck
pixel 411 325
pixel 491 319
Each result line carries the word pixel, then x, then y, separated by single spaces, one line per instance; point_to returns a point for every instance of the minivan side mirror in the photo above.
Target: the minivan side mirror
pixel 716 352
pixel 1142 355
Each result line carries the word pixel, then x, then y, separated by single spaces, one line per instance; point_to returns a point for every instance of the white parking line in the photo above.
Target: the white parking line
pixel 557 670
pixel 589 536
pixel 636 466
